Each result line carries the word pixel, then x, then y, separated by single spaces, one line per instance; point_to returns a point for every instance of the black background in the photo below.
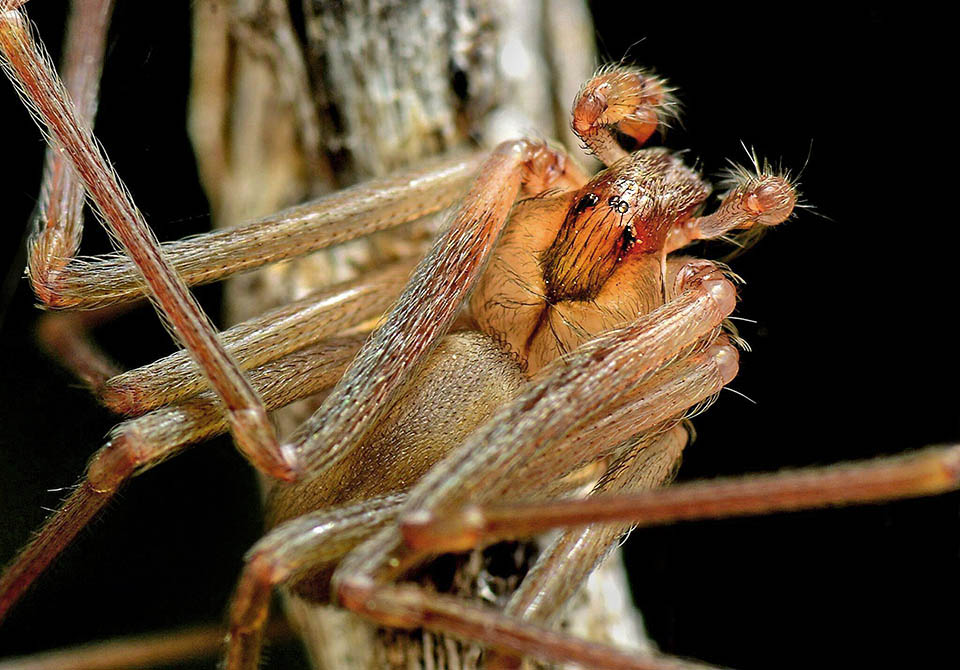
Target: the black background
pixel 853 351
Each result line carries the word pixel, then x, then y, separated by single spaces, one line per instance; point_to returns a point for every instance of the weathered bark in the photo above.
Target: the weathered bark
pixel 362 88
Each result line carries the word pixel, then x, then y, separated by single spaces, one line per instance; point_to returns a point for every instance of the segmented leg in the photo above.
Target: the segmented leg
pixel 262 339
pixel 58 225
pixel 139 444
pixel 138 651
pixel 567 562
pixel 922 473
pixel 586 384
pixel 755 198
pixel 375 205
pixel 622 99
pixel 407 606
pixel 429 304
pixel 299 545
pixel 141 651
pixel 308 543
pixel 28 66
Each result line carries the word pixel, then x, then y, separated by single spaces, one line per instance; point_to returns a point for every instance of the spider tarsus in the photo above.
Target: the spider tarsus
pixel 726 358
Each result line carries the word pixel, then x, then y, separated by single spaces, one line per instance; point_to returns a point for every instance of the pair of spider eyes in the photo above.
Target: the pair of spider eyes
pixel 591 200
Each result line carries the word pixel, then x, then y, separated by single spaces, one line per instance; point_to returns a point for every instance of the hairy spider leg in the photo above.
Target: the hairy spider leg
pixel 280 331
pixel 29 68
pixel 374 205
pixel 287 551
pixel 922 473
pixel 565 564
pixel 627 100
pixel 139 444
pixel 58 222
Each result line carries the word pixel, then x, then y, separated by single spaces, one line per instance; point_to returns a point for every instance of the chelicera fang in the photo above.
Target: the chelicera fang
pixel 654 178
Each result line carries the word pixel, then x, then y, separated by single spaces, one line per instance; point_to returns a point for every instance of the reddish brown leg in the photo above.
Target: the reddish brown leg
pixel 927 472
pixel 29 68
pixel 259 340
pixel 59 222
pixel 568 561
pixel 757 198
pixel 288 551
pixel 139 444
pixel 375 205
pixel 429 304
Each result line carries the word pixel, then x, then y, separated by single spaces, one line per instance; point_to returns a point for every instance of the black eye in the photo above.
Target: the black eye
pixel 617 203
pixel 587 201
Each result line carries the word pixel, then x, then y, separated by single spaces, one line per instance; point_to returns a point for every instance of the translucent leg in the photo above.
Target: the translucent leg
pixel 29 68
pixel 139 444
pixel 66 336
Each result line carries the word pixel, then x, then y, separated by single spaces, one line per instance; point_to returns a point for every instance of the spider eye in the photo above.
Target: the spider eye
pixel 619 204
pixel 587 201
